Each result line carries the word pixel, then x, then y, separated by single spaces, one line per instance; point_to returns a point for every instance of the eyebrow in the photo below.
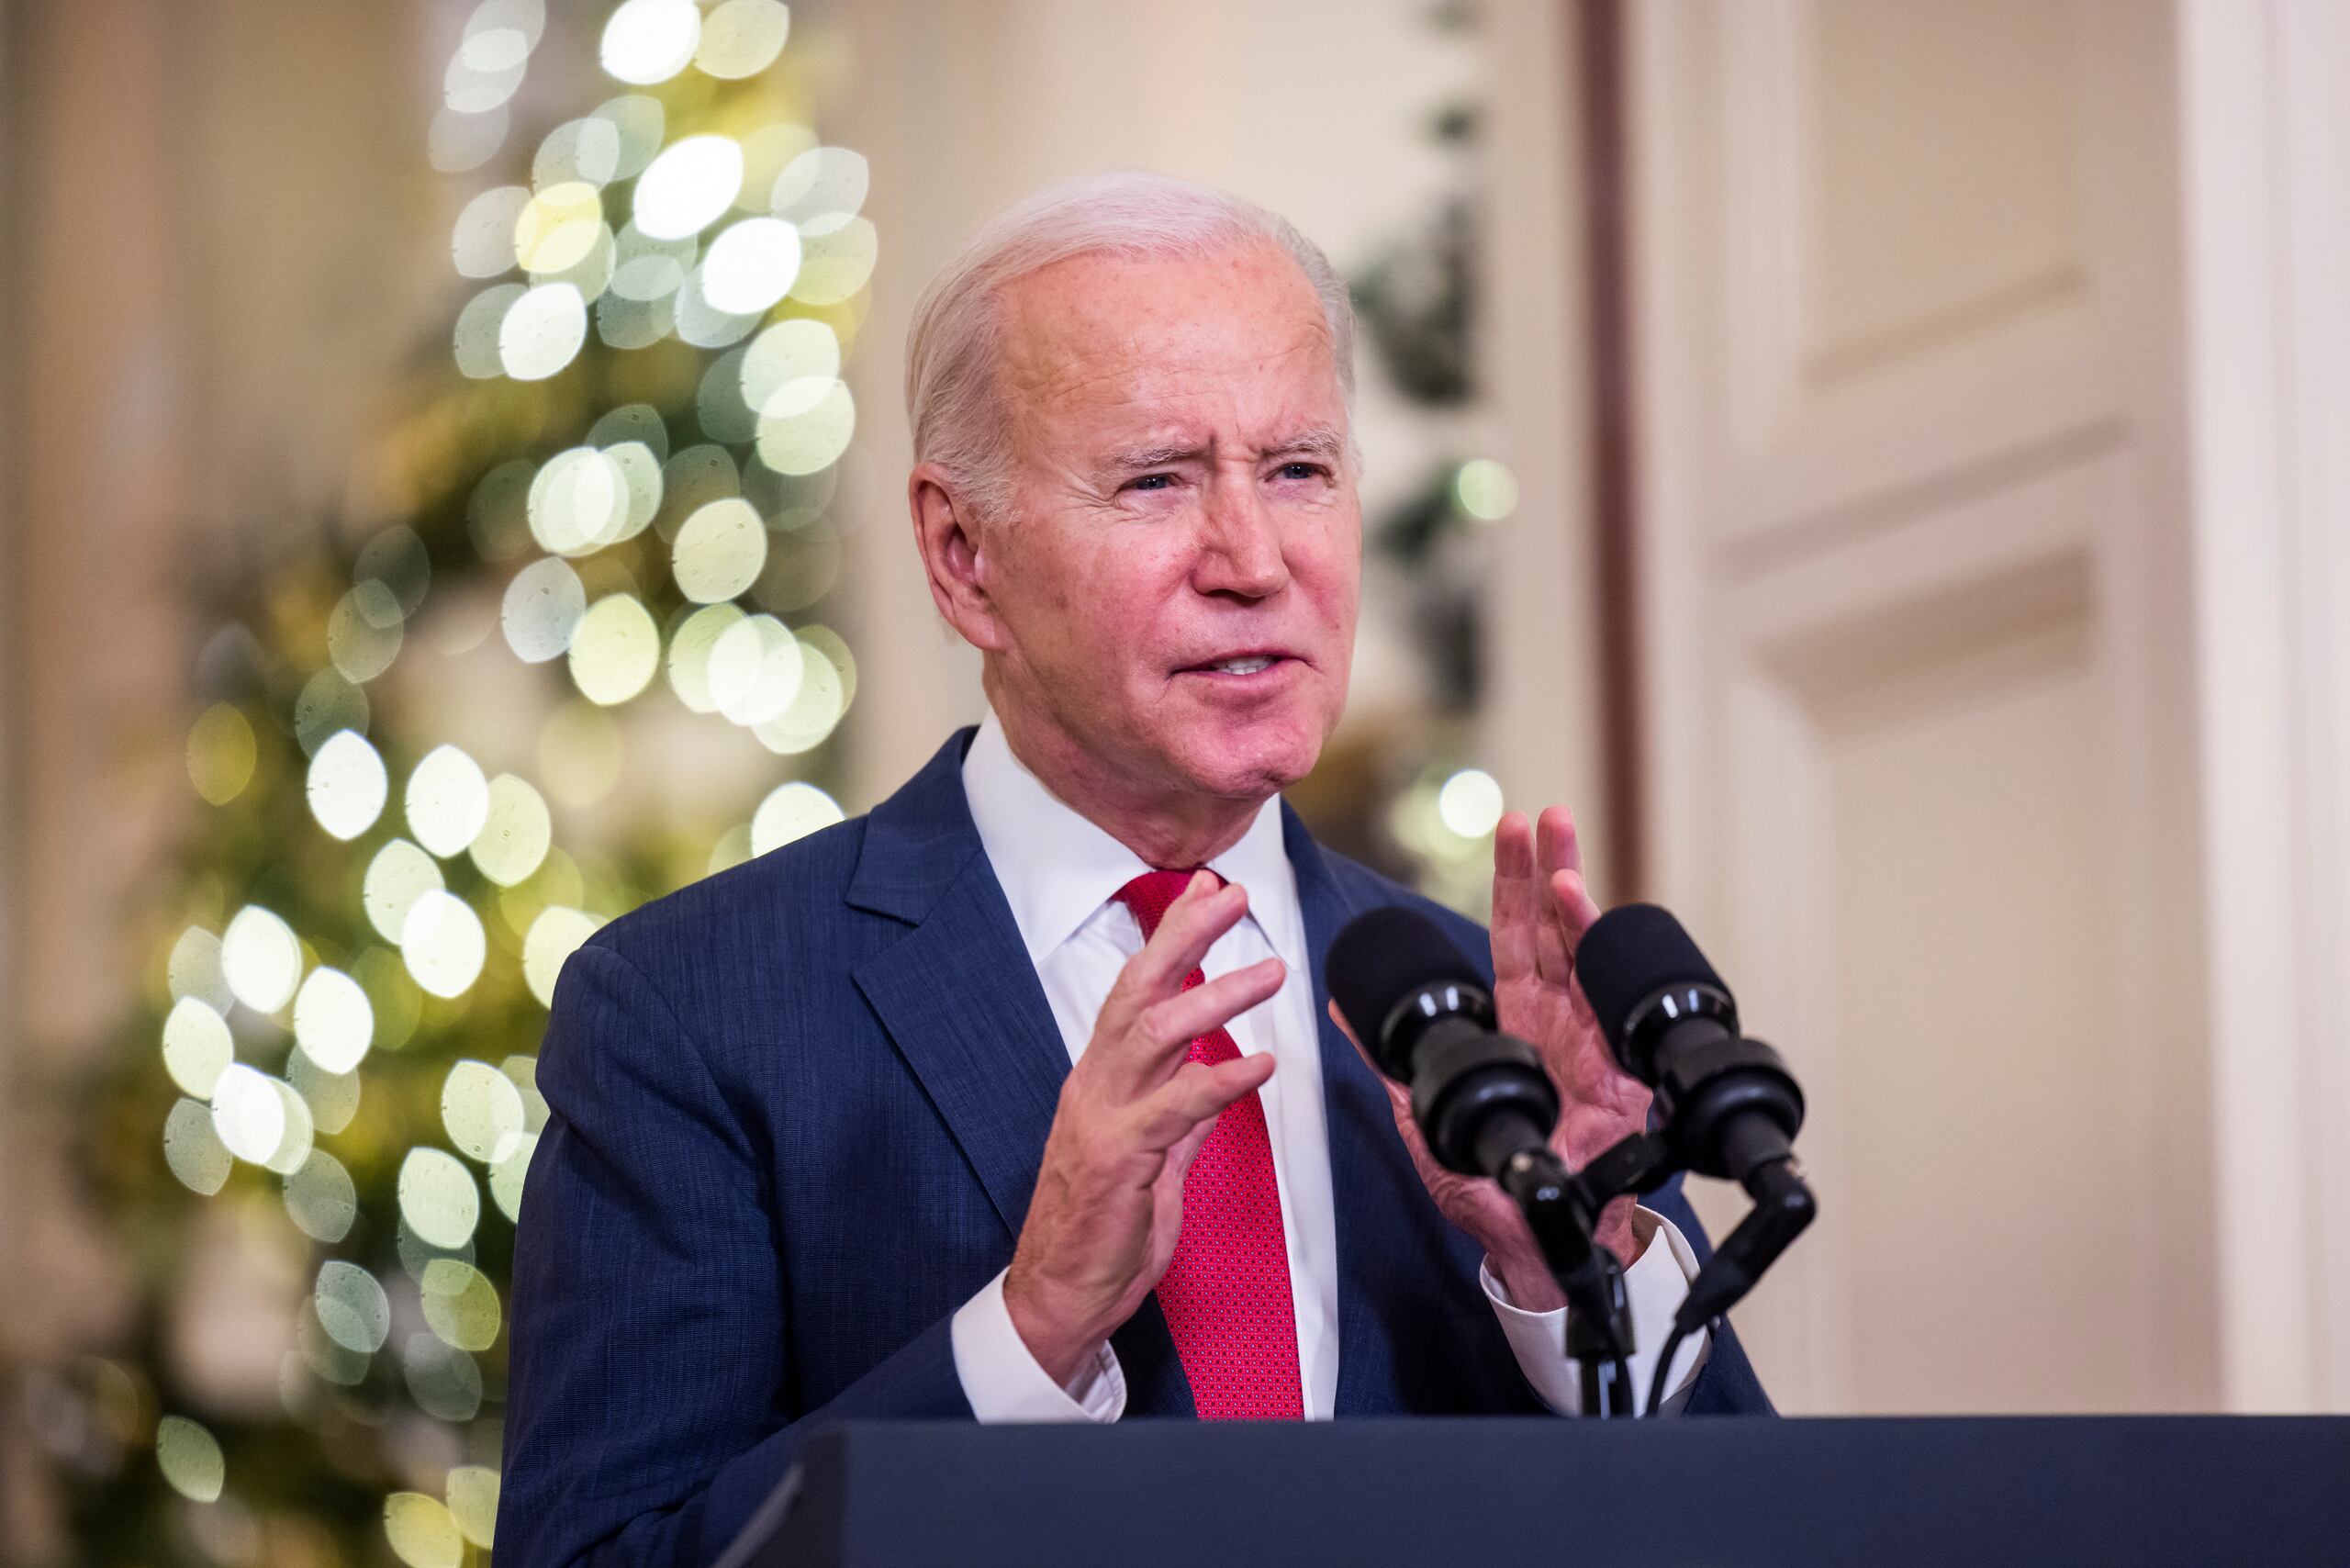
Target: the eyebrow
pixel 1321 440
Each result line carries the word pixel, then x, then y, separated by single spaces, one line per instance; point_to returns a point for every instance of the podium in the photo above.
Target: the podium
pixel 1701 1492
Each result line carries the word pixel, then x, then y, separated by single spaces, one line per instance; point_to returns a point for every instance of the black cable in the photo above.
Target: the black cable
pixel 1664 1365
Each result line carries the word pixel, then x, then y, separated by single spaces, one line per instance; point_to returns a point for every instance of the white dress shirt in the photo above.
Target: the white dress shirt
pixel 1060 873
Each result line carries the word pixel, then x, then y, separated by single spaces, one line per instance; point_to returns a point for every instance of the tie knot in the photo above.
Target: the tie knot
pixel 1150 895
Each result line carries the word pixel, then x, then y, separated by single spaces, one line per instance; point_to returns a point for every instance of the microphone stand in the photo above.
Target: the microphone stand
pixel 1563 1210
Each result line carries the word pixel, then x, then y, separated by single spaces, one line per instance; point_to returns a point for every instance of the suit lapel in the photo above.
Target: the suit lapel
pixel 1356 1113
pixel 958 996
pixel 963 1005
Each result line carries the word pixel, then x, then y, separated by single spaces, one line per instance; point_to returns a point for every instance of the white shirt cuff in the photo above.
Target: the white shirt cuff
pixel 1655 1288
pixel 1002 1381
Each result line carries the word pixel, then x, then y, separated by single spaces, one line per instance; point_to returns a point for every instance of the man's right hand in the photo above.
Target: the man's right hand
pixel 1132 1111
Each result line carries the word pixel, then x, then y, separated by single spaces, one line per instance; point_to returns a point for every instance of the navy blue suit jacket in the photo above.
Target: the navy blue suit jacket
pixel 795 1114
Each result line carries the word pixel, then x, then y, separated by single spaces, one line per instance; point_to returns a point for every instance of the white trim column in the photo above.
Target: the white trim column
pixel 2266 170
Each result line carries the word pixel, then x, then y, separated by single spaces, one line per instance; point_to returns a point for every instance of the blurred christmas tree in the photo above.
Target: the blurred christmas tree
pixel 438 752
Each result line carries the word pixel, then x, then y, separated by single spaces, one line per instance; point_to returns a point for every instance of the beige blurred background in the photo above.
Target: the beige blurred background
pixel 1931 574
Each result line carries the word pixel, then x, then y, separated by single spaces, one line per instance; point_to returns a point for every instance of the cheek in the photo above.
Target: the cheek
pixel 1089 611
pixel 1330 571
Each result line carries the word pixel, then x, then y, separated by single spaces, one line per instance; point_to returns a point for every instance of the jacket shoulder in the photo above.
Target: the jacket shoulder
pixel 1361 888
pixel 796 891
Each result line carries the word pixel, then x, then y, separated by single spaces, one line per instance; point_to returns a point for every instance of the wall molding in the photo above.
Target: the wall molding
pixel 2267 174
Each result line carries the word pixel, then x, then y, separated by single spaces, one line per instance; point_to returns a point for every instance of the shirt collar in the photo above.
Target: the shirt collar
pixel 1057 869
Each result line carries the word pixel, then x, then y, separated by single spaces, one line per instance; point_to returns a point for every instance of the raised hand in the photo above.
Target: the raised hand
pixel 1133 1113
pixel 1541 910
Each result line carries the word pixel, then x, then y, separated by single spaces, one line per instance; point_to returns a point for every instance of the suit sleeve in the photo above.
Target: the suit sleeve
pixel 649 1409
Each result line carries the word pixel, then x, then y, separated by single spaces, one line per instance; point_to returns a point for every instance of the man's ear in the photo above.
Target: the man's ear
pixel 948 536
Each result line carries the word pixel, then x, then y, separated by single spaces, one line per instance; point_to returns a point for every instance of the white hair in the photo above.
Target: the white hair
pixel 952 391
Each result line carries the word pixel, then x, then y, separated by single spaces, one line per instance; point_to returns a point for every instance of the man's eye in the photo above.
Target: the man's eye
pixel 1300 470
pixel 1151 482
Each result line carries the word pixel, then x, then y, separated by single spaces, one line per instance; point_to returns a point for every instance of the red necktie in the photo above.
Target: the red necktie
pixel 1225 1293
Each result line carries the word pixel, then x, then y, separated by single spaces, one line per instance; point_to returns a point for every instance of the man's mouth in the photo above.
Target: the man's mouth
pixel 1238 665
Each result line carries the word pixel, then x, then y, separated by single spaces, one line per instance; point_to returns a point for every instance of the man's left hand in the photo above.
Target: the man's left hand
pixel 1541 910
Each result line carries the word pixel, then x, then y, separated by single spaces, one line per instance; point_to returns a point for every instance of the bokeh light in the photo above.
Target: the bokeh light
pixel 836 259
pixel 554 937
pixel 473 1501
pixel 542 331
pixel 193 1150
pixel 542 607
pixel 190 1459
pixel 557 228
pixel 1469 802
pixel 805 425
pixel 820 183
pixel 482 1111
pixel 399 874
pixel 448 800
pixel 515 834
pixel 651 40
pixel 197 1047
pixel 443 944
pixel 321 1199
pixel 461 1305
pixel 248 1112
pixel 220 753
pixel 352 1306
pixel 616 650
pixel 754 670
pixel 689 186
pixel 751 265
pixel 261 958
pixel 483 242
pixel 791 811
pixel 347 785
pixel 742 38
pixel 333 1021
pixel 718 551
pixel 1486 490
pixel 438 1198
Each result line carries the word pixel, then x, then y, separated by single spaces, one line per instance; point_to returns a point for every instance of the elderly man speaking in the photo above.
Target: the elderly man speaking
pixel 1021 1098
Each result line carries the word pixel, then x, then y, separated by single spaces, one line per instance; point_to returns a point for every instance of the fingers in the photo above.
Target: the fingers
pixel 1517 896
pixel 1559 926
pixel 1169 1028
pixel 1198 1094
pixel 1200 915
pixel 1577 910
pixel 1560 848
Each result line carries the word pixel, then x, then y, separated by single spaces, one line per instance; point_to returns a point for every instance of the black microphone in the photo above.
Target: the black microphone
pixel 1424 1013
pixel 1730 1107
pixel 1728 1104
pixel 1486 1107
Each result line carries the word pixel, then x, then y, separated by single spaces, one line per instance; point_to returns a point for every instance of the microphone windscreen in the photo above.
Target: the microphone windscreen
pixel 1631 953
pixel 1382 956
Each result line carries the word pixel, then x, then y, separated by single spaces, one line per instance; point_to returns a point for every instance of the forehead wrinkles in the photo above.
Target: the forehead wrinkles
pixel 1098 334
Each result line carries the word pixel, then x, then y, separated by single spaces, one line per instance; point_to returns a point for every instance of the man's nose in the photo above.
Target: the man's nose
pixel 1240 543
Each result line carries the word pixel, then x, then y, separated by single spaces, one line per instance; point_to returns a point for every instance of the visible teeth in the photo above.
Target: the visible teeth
pixel 1248 666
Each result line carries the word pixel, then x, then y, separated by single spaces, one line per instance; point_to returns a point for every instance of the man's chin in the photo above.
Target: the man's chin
pixel 1250 761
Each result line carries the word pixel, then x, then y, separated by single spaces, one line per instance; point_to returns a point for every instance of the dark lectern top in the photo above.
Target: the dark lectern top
pixel 2131 1492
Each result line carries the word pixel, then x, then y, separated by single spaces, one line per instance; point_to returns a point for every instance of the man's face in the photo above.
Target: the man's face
pixel 1175 585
